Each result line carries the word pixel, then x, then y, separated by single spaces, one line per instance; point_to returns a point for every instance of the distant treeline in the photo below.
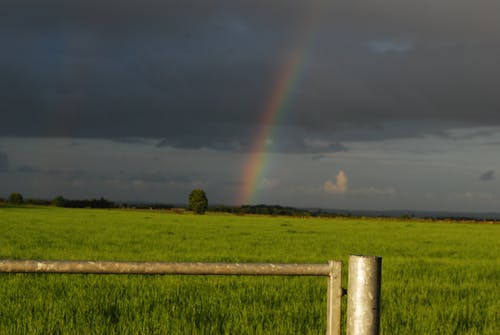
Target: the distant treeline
pixel 85 203
pixel 60 201
pixel 17 199
pixel 263 210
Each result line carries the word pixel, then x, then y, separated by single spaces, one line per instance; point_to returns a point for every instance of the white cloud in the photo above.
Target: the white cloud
pixel 340 185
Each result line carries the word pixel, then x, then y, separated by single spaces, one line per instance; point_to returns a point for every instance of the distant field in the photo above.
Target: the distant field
pixel 438 277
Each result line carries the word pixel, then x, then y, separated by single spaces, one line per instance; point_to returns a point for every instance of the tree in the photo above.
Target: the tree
pixel 16 198
pixel 198 202
pixel 59 201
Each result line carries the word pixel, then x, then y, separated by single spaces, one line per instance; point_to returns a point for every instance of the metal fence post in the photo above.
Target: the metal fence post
pixel 363 295
pixel 334 298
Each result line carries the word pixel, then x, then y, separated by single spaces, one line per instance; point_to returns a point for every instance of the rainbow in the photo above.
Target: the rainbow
pixel 274 109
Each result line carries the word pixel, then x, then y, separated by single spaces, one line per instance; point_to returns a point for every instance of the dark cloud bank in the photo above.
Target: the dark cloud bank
pixel 488 175
pixel 4 162
pixel 198 74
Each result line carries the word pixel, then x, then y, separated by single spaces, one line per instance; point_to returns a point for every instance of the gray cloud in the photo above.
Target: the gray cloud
pixel 28 169
pixel 4 162
pixel 162 179
pixel 52 172
pixel 133 141
pixel 487 176
pixel 199 74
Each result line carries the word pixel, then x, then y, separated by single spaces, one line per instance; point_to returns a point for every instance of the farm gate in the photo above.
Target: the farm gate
pixel 363 292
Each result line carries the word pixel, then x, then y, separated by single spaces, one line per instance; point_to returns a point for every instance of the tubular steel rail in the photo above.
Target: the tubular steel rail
pixel 332 270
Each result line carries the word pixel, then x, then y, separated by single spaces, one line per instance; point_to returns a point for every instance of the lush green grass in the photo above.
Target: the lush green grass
pixel 438 278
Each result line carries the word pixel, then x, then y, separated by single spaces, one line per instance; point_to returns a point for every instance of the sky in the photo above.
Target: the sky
pixel 357 104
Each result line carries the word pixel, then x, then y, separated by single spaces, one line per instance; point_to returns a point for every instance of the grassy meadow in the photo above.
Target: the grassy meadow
pixel 437 277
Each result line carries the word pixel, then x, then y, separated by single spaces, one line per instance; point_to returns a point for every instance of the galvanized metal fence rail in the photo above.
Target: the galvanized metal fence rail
pixel 332 270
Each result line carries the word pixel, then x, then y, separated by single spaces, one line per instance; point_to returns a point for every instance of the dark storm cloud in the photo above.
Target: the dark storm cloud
pixel 162 179
pixel 4 162
pixel 488 175
pixel 56 173
pixel 198 73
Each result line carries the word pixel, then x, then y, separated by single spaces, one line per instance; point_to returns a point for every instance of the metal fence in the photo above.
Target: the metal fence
pixel 363 281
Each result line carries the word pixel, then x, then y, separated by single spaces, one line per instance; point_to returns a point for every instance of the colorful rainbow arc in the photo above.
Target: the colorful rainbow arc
pixel 275 107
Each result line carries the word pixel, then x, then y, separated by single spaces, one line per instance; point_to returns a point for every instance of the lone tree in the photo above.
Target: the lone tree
pixel 16 198
pixel 198 202
pixel 59 201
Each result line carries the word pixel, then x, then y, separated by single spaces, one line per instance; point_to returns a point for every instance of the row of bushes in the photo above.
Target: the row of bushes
pixel 17 199
pixel 60 201
pixel 261 209
pixel 14 199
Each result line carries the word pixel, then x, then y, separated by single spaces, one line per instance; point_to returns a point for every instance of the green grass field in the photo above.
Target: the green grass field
pixel 438 277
